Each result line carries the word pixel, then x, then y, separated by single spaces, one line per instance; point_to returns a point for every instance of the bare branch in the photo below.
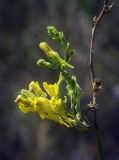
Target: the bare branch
pixel 96 84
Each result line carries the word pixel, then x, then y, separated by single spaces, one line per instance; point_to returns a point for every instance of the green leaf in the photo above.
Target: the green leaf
pixel 73 91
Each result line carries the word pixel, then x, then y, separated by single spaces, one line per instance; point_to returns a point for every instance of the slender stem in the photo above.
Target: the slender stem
pixel 106 7
pixel 96 84
pixel 99 144
pixel 97 19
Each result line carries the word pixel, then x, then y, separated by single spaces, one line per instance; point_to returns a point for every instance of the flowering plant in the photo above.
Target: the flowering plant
pixel 51 103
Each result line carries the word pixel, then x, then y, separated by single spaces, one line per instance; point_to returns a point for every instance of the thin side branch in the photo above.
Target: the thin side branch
pixel 96 84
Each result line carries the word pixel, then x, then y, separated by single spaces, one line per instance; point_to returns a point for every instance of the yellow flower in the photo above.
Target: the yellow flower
pixel 36 89
pixel 24 104
pixel 55 102
pixel 57 106
pixel 43 106
pixel 51 89
pixel 44 109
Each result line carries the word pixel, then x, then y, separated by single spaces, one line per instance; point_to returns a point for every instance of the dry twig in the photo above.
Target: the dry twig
pixel 96 83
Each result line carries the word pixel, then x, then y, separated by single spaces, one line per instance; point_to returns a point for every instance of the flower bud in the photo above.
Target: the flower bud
pixel 48 50
pixel 53 55
pixel 43 63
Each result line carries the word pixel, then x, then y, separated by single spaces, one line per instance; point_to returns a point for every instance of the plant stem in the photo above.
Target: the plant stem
pixel 99 144
pixel 96 84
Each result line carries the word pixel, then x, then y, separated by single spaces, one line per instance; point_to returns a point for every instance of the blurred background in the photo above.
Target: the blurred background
pixel 22 26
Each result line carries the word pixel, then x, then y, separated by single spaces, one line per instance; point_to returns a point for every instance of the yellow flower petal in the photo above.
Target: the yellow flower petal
pixel 51 89
pixel 57 106
pixel 26 109
pixel 36 89
pixel 43 105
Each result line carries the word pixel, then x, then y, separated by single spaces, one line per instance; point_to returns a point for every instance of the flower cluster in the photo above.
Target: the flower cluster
pixel 46 104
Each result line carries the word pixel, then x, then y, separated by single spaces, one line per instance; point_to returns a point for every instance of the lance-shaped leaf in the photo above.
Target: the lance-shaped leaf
pixel 74 92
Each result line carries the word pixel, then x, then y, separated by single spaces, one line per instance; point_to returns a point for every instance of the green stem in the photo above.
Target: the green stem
pixel 99 144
